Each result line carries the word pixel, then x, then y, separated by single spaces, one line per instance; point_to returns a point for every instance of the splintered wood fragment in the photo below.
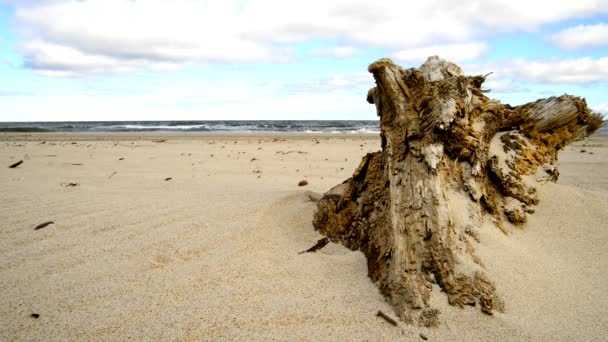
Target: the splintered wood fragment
pixel 386 318
pixel 320 244
pixel 42 225
pixel 16 164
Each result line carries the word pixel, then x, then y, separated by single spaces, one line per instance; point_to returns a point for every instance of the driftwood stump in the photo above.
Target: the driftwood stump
pixel 451 157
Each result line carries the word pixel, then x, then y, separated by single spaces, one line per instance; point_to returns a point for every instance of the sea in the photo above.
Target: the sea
pixel 301 126
pixel 295 126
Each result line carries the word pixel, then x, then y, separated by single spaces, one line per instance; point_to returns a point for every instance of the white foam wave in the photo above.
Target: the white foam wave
pixel 177 127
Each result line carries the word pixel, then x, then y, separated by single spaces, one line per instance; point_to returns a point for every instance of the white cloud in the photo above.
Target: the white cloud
pixel 111 35
pixel 338 51
pixel 601 108
pixel 552 71
pixel 582 36
pixel 361 80
pixel 450 52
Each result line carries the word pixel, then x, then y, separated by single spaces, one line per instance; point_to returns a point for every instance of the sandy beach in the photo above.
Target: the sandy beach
pixel 196 237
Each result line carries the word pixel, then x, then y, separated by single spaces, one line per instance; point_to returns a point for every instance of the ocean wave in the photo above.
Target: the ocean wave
pixel 158 127
pixel 24 129
pixel 268 126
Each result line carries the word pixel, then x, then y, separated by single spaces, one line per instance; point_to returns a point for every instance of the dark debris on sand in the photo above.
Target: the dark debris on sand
pixel 12 166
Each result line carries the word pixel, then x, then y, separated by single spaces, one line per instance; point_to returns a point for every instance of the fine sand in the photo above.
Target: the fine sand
pixel 212 252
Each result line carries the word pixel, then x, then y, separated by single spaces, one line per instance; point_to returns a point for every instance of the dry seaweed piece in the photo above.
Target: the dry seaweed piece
pixel 386 318
pixel 12 166
pixel 303 183
pixel 42 225
pixel 320 244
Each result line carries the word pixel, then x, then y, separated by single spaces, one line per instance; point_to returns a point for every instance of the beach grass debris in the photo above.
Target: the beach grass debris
pixel 320 244
pixel 303 183
pixel 12 166
pixel 43 225
pixel 386 317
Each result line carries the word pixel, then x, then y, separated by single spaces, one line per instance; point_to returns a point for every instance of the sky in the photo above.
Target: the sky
pixel 96 60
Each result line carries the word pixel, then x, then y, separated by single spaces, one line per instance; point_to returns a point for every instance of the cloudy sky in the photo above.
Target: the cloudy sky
pixel 263 59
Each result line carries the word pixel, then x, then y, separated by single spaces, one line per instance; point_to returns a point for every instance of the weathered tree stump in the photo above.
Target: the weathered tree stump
pixel 451 157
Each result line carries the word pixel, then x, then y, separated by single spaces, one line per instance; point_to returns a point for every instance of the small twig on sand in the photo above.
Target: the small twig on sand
pixel 16 164
pixel 320 244
pixel 386 318
pixel 112 175
pixel 42 225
